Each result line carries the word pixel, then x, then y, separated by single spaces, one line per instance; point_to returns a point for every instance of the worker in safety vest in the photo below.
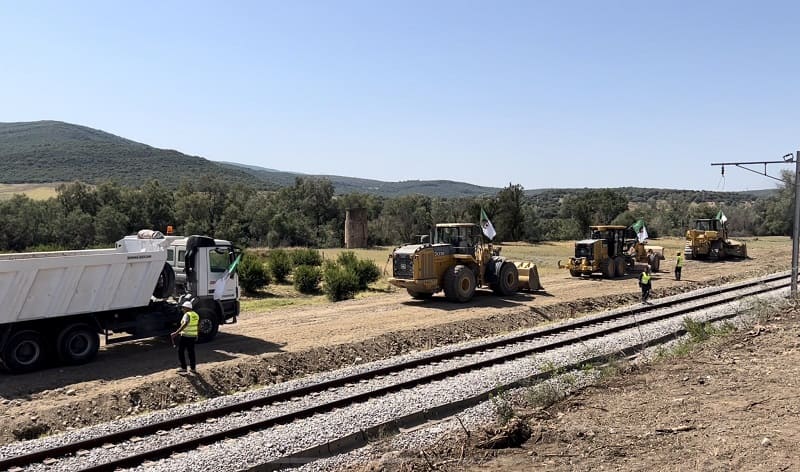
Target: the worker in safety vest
pixel 188 337
pixel 645 284
pixel 678 266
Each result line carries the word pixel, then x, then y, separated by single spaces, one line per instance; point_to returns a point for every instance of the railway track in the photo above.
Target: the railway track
pixel 164 437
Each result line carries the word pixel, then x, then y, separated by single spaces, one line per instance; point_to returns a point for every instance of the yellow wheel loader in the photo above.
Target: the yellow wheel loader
pixel 709 240
pixel 458 262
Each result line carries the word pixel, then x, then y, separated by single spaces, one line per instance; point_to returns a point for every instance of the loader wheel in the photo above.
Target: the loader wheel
pixel 77 344
pixel 656 264
pixel 24 352
pixel 608 269
pixel 419 295
pixel 619 265
pixel 574 273
pixel 459 284
pixel 507 280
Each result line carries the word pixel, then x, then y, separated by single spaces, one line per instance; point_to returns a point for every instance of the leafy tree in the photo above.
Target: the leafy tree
pixel 508 217
pixel 110 225
pixel 594 207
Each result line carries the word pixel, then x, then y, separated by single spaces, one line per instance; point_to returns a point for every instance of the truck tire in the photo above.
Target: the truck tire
pixel 459 284
pixel 24 352
pixel 507 280
pixel 77 343
pixel 419 295
pixel 619 266
pixel 208 326
pixel 165 286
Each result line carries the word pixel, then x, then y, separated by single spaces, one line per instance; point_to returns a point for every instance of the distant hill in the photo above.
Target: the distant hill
pixel 344 185
pixel 53 151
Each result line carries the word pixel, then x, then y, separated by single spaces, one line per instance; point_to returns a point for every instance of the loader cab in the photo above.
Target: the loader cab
pixel 464 237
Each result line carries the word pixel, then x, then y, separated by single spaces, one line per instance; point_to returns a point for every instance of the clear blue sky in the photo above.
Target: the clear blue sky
pixel 542 94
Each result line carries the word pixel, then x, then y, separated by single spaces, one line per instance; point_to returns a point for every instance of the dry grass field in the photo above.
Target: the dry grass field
pixel 34 191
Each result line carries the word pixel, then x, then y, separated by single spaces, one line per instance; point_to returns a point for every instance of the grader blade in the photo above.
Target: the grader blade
pixel 528 276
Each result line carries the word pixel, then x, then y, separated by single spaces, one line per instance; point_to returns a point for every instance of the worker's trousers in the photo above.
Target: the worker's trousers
pixel 185 344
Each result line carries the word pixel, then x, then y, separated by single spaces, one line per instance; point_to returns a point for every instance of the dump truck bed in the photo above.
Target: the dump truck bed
pixel 52 284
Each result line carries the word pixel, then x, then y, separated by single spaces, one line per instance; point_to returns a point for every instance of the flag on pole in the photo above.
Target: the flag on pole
pixel 641 230
pixel 219 287
pixel 721 216
pixel 488 229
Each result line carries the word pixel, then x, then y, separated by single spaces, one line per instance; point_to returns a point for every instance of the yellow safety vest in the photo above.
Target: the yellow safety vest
pixel 679 263
pixel 645 278
pixel 190 330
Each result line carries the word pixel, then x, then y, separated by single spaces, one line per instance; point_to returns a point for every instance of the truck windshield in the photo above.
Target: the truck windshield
pixel 218 262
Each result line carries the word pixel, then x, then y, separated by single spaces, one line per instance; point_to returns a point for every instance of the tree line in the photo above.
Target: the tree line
pixel 309 214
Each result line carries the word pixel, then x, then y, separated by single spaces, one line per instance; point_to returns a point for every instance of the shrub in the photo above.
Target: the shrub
pixel 365 270
pixel 252 273
pixel 307 278
pixel 280 265
pixel 307 257
pixel 340 283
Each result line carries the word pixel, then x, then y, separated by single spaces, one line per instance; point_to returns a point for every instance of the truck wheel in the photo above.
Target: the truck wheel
pixel 77 344
pixel 619 264
pixel 507 280
pixel 24 352
pixel 459 284
pixel 419 295
pixel 208 326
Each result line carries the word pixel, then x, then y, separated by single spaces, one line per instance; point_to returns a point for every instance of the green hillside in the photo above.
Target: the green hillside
pixel 53 151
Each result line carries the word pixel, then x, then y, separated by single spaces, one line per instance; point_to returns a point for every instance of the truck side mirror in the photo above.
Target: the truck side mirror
pixel 424 239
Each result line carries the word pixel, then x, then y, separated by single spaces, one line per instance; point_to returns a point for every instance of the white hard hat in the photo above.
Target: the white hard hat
pixel 187 304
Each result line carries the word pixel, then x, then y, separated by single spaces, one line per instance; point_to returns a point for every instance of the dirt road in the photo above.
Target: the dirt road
pixel 270 347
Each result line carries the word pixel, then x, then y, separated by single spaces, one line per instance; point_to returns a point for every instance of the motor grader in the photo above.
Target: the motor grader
pixel 709 240
pixel 607 251
pixel 457 262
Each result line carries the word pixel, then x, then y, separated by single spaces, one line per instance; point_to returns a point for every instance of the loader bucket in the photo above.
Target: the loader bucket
pixel 528 276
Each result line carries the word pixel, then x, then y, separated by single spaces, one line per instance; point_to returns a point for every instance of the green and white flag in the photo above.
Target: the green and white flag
pixel 219 287
pixel 488 228
pixel 721 216
pixel 641 230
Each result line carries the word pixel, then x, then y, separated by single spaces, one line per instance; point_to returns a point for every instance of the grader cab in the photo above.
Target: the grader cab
pixel 457 262
pixel 609 251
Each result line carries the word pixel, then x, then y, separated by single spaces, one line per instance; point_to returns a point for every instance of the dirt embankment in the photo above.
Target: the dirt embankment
pixel 266 348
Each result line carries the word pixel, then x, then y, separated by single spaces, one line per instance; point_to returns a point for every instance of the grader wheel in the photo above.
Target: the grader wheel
pixel 608 269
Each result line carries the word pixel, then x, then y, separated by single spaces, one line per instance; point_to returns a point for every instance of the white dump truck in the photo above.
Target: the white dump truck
pixel 55 305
